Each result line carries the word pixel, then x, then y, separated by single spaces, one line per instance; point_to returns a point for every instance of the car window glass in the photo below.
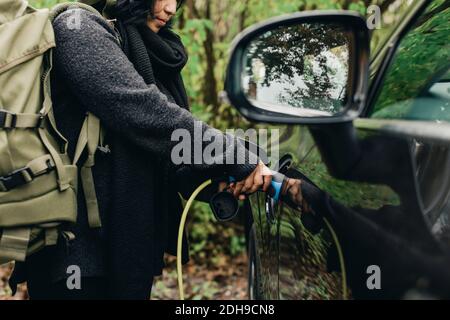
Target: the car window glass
pixel 392 13
pixel 417 84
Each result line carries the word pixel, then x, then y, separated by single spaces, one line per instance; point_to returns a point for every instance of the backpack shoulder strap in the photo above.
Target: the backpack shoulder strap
pixel 88 140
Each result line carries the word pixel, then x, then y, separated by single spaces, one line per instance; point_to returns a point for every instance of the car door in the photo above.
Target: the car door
pixel 411 102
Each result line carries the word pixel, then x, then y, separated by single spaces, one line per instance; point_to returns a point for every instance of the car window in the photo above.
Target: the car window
pixel 417 84
pixel 392 13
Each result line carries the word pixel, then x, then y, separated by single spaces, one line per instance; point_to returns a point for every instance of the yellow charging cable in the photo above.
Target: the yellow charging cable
pixel 180 234
pixel 341 259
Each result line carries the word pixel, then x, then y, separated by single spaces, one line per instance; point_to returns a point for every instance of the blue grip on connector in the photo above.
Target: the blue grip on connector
pixel 277 189
pixel 276 185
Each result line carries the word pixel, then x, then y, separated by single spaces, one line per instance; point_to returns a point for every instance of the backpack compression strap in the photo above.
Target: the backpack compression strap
pixel 33 169
pixel 14 244
pixel 46 113
pixel 11 120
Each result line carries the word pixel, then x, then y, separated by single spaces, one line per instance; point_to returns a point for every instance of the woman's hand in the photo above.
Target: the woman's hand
pixel 293 196
pixel 259 179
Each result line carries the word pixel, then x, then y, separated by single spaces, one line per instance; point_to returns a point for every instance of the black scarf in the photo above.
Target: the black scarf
pixel 168 57
pixel 159 59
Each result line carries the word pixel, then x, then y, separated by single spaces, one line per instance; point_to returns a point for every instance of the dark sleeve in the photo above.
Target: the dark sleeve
pixel 107 84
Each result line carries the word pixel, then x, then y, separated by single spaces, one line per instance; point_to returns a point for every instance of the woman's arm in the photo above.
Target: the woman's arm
pixel 106 83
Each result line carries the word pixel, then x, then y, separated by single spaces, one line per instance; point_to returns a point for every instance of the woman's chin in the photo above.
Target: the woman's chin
pixel 154 28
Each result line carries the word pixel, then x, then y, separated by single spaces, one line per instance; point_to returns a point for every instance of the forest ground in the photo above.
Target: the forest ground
pixel 201 281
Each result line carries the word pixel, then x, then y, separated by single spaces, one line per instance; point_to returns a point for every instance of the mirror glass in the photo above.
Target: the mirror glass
pixel 300 70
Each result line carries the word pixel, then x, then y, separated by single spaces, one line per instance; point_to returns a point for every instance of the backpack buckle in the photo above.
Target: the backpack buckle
pixel 16 179
pixel 104 149
pixel 41 121
pixel 4 118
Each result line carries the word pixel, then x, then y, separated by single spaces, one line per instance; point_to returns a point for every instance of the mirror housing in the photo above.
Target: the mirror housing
pixel 350 21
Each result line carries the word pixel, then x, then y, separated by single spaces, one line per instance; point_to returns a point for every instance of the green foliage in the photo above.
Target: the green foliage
pixel 193 35
pixel 46 3
pixel 208 238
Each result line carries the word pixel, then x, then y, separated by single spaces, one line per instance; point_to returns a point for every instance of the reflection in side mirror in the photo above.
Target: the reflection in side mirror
pixel 308 67
pixel 299 69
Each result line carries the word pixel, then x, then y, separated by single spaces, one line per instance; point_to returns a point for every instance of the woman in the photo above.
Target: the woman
pixel 135 88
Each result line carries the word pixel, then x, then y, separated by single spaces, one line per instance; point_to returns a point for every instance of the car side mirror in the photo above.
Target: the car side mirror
pixel 304 68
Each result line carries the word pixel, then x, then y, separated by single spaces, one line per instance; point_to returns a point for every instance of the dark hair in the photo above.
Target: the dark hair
pixel 136 11
pixel 180 3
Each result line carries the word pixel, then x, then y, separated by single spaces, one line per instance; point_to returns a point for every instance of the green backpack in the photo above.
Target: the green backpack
pixel 38 181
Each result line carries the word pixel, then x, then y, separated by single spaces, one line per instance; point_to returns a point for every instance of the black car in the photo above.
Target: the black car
pixel 363 118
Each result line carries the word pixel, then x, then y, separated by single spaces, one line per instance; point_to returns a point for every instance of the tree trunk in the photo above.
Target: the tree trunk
pixel 210 93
